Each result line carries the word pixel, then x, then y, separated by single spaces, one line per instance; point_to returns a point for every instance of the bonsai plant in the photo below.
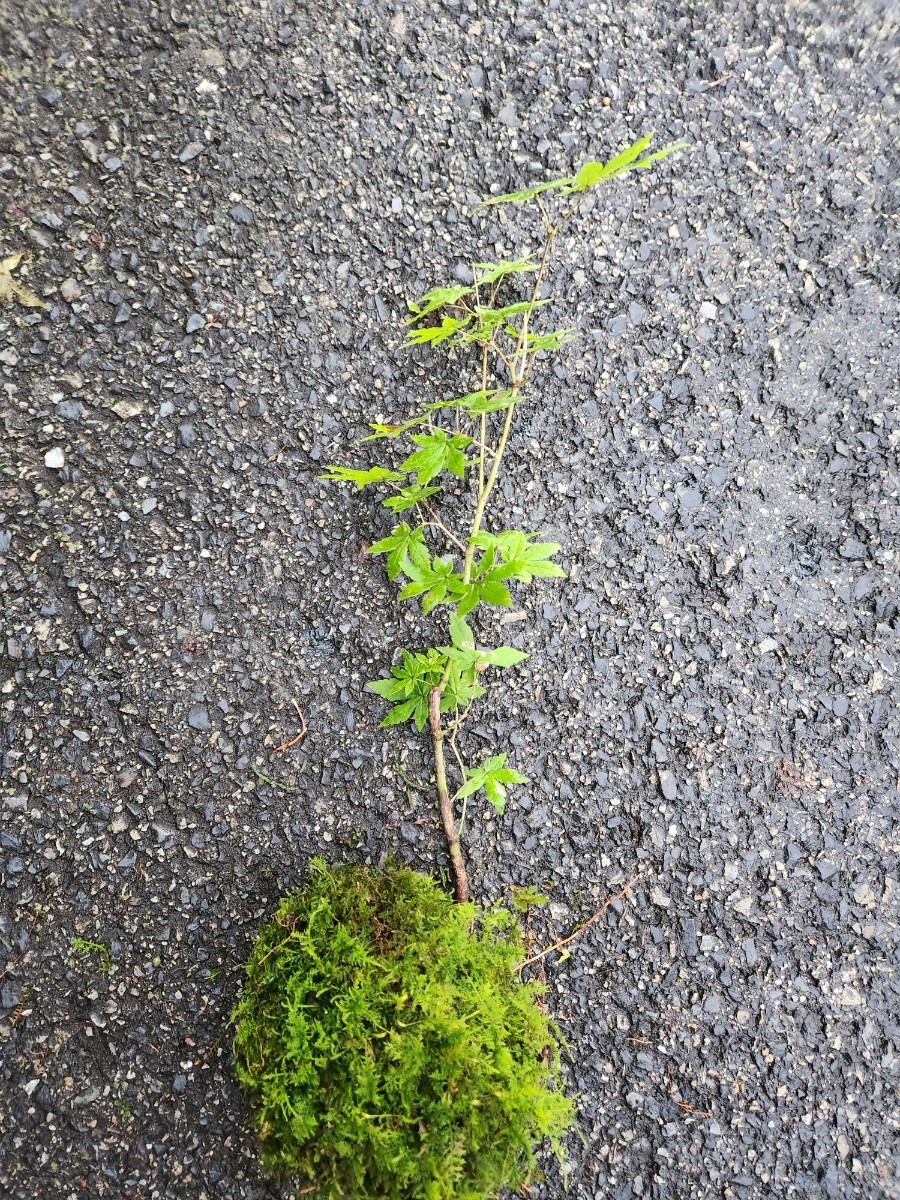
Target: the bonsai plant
pixel 385 1034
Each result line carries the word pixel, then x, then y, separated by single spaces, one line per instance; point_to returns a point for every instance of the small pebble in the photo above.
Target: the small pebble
pixel 198 718
pixel 190 151
pixel 668 785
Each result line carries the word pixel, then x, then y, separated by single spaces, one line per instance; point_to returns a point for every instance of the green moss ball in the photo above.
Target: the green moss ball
pixel 389 1049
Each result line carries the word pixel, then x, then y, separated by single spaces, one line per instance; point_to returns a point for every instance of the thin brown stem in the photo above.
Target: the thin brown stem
pixel 439 524
pixel 581 928
pixel 446 804
pixel 548 228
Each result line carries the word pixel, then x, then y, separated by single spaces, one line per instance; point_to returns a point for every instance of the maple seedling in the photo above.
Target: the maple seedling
pixel 464 439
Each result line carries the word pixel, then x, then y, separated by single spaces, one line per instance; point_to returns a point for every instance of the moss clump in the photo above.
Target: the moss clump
pixel 389 1048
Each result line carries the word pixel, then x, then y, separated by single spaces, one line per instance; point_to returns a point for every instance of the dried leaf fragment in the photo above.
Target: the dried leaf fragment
pixel 11 289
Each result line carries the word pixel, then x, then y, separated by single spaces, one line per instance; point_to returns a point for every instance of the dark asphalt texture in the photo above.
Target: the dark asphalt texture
pixel 225 206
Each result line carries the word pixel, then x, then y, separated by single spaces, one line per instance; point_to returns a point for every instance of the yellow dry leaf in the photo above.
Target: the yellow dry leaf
pixel 11 289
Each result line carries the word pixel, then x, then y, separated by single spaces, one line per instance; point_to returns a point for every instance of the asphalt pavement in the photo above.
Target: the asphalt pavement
pixel 226 206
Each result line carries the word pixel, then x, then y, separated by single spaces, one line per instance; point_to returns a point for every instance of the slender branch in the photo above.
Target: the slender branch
pixel 486 492
pixel 462 772
pixel 522 342
pixel 483 446
pixel 435 520
pixel 483 438
pixel 581 928
pixel 548 228
pixel 516 383
pixel 517 379
pixel 458 721
pixel 451 742
pixel 446 804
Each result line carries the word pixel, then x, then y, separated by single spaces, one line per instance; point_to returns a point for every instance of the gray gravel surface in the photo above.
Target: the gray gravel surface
pixel 225 206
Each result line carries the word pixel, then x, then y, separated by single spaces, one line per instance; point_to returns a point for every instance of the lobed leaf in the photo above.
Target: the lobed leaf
pixel 488 320
pixel 591 173
pixel 391 431
pixel 400 713
pixel 437 452
pixel 435 334
pixel 513 555
pixel 405 547
pixel 555 340
pixel 460 633
pixel 504 656
pixel 411 683
pixel 628 159
pixel 493 776
pixel 408 497
pixel 495 593
pixel 487 401
pixel 361 478
pixel 439 297
pixel 434 581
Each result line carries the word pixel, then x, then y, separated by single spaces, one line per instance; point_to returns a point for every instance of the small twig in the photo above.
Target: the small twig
pixel 547 224
pixel 485 447
pixel 435 520
pixel 413 783
pixel 459 720
pixel 462 771
pixel 581 928
pixel 683 1104
pixel 300 736
pixel 285 787
pixel 460 763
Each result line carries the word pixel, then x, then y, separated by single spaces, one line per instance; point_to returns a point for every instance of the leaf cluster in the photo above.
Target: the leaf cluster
pixel 388 1047
pixel 413 679
pixel 437 451
pixel 505 556
pixel 493 775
